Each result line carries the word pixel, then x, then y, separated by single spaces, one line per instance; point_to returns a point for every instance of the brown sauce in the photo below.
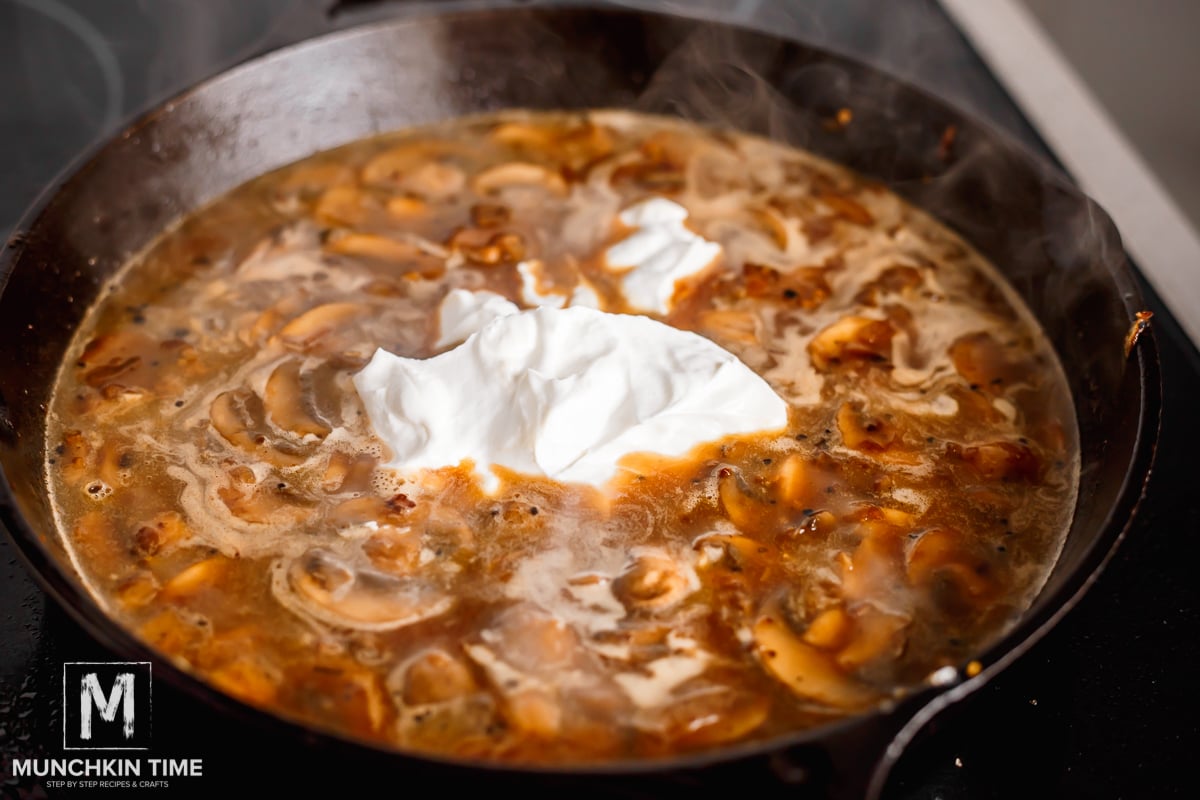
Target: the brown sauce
pixel 218 481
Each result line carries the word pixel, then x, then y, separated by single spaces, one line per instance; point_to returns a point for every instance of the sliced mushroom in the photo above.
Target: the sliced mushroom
pixel 529 705
pixel 345 594
pixel 198 576
pixel 518 173
pixel 137 591
pixel 372 508
pixel 794 481
pixel 740 507
pixel 121 358
pixel 847 208
pixel 876 635
pixel 287 404
pixel 376 247
pixel 851 339
pixel 830 629
pixel 1002 461
pixel 406 208
pixel 396 551
pixel 348 473
pixel 433 676
pixel 305 332
pixel 803 668
pixel 434 180
pixel 263 503
pixel 164 531
pixel 862 431
pixel 728 325
pixel 345 205
pixel 391 167
pixel 74 457
pixel 943 554
pixel 248 678
pixel 654 581
pixel 238 416
pixel 804 287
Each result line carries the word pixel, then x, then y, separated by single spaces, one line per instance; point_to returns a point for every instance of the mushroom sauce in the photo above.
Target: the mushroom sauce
pixel 218 482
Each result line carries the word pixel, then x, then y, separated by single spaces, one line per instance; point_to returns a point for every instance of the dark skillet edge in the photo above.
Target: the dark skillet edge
pixel 908 715
pixel 1034 628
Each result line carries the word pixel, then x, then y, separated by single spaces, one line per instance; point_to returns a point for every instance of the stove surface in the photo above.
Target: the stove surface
pixel 1105 706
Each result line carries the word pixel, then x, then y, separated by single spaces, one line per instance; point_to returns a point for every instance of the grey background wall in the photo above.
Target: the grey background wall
pixel 1141 60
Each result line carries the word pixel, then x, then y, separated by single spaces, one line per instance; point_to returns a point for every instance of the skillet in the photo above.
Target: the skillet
pixel 1059 251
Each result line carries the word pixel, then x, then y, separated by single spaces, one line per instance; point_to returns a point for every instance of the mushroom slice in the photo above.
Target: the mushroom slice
pixel 529 705
pixel 306 330
pixel 344 205
pixel 341 593
pixel 238 416
pixel 806 670
pixel 432 676
pixel 518 173
pixel 198 576
pixel 394 165
pixel 944 555
pixel 286 403
pixel 654 581
pixel 850 339
pixel 374 246
pixel 435 180
pixel 728 325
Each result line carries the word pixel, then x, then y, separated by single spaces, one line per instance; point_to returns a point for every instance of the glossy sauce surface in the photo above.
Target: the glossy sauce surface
pixel 220 488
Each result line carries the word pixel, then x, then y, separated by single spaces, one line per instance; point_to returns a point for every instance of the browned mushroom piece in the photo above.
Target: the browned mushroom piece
pixel 376 247
pixel 653 581
pixel 348 473
pixel 435 676
pixel 987 365
pixel 344 594
pixel 846 208
pixel 1001 461
pixel 863 431
pixel 162 533
pixel 201 575
pixel 345 205
pixel 515 174
pixel 944 557
pixel 263 503
pixel 288 403
pixel 487 248
pixel 729 326
pixel 807 670
pixel 124 359
pixel 240 418
pixel 852 339
pixel 397 165
pixel 803 287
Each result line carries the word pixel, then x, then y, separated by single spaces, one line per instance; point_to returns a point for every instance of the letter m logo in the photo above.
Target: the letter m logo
pixel 106 705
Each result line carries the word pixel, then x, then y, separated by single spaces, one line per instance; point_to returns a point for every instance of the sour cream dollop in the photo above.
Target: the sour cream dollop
pixel 658 254
pixel 563 393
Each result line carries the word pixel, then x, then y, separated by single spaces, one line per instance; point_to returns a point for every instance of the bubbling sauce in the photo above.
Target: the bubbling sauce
pixel 221 490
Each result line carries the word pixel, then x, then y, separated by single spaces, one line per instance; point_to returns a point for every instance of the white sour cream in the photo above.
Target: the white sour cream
pixel 658 254
pixel 564 393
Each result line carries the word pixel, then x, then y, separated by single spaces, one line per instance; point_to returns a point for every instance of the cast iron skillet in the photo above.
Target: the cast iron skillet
pixel 1058 249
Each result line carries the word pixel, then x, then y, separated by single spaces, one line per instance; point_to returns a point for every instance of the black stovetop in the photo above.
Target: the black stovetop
pixel 1106 706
